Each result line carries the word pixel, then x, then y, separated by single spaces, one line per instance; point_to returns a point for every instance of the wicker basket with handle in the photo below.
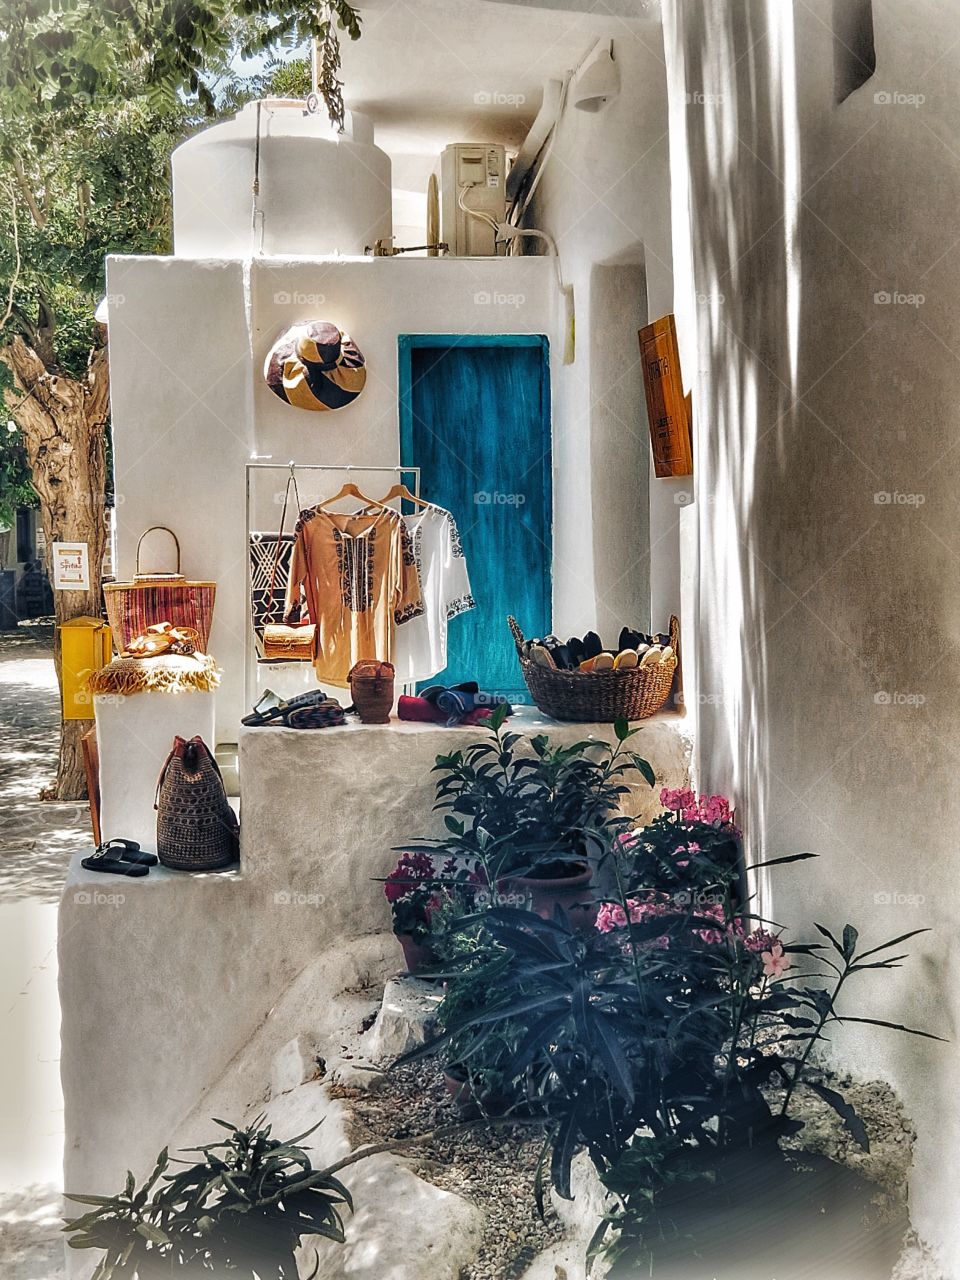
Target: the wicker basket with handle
pixel 602 696
pixel 134 606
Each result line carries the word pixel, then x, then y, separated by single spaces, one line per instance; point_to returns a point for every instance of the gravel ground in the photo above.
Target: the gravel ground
pixel 493 1168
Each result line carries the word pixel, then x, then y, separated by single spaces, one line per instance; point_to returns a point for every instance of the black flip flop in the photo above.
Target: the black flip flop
pixel 128 851
pixel 279 710
pixel 108 864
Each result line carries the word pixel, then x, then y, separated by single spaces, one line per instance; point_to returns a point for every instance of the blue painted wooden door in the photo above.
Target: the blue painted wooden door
pixel 475 417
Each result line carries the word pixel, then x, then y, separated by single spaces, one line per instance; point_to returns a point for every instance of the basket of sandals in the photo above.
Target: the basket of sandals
pixel 634 682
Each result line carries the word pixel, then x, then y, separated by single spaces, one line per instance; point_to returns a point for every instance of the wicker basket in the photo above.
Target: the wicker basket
pixel 602 696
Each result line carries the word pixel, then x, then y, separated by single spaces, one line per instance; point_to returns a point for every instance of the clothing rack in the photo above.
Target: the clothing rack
pixel 292 468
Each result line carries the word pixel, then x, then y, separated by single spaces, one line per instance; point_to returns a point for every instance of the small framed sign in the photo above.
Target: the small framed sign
pixel 71 566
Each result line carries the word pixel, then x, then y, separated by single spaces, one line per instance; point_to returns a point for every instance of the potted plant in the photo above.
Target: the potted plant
pixel 669 1045
pixel 414 892
pixel 529 819
pixel 242 1209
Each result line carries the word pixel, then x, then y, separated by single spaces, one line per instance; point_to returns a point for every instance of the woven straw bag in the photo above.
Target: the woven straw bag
pixel 196 828
pixel 134 606
pixel 602 696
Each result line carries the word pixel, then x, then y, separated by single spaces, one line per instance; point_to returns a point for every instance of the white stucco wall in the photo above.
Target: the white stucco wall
pixel 605 197
pixel 187 343
pixel 827 621
pixel 163 980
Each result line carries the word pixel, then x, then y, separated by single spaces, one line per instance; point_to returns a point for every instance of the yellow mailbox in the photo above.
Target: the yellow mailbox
pixel 84 647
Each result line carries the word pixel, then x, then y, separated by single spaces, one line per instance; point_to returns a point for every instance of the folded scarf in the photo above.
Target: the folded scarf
pixel 419 709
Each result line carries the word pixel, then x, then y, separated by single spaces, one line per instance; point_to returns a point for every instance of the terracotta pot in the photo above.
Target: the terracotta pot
pixel 572 893
pixel 462 1095
pixel 416 956
pixel 458 1087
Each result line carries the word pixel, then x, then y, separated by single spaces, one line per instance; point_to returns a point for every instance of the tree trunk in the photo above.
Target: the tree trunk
pixel 63 421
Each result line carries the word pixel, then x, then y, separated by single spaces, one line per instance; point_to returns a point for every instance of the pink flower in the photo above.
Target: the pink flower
pixel 760 940
pixel 677 798
pixel 775 963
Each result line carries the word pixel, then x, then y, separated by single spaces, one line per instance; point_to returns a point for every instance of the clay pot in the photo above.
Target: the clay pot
pixel 416 956
pixel 571 893
pixel 461 1093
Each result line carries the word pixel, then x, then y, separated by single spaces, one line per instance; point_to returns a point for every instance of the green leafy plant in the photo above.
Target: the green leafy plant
pixel 241 1209
pixel 517 806
pixel 670 1042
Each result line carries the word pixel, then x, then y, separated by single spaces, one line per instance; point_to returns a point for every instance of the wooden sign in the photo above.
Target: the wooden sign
pixel 668 411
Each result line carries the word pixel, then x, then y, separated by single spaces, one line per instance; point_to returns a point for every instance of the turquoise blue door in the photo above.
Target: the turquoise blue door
pixel 475 418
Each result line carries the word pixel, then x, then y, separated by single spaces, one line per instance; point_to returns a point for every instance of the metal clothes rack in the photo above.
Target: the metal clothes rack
pixel 292 468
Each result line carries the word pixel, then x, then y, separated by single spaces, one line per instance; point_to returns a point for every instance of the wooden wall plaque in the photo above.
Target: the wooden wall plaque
pixel 668 411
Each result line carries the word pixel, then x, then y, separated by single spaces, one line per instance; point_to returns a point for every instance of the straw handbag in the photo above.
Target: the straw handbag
pixel 602 696
pixel 275 641
pixel 134 606
pixel 196 828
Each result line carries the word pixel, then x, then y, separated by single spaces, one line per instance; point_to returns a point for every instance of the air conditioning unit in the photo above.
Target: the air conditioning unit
pixel 473 196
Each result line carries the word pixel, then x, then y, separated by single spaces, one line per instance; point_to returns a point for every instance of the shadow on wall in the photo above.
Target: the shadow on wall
pixel 825 270
pixel 744 302
pixel 619 444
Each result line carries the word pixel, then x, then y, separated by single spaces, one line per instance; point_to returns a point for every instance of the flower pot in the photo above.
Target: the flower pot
pixel 458 1087
pixel 416 956
pixel 461 1093
pixel 572 893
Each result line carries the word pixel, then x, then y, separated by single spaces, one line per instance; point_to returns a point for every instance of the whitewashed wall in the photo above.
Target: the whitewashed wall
pixel 605 197
pixel 826 604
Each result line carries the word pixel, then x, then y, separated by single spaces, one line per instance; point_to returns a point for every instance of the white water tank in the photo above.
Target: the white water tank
pixel 320 192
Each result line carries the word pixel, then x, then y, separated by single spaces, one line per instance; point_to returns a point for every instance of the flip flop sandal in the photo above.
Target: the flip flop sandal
pixel 651 657
pixel 577 654
pixel 630 639
pixel 265 712
pixel 127 851
pixel 626 660
pixel 603 662
pixel 592 644
pixel 108 864
pixel 324 716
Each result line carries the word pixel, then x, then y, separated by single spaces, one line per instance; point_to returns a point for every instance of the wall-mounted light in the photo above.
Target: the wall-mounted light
pixel 596 83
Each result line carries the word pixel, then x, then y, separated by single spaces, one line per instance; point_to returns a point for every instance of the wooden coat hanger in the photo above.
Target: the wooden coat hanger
pixel 350 490
pixel 401 491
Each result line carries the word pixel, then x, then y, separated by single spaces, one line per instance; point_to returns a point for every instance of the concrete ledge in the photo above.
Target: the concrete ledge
pixel 163 980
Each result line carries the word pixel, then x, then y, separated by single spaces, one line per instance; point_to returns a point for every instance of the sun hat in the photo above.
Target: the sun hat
pixel 315 366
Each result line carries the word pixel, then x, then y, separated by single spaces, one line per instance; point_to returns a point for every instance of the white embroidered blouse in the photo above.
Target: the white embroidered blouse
pixel 420 648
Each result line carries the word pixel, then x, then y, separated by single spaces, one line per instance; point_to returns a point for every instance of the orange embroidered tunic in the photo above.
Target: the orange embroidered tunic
pixel 360 578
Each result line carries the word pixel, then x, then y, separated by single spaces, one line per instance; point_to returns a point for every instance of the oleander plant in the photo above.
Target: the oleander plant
pixel 669 1041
